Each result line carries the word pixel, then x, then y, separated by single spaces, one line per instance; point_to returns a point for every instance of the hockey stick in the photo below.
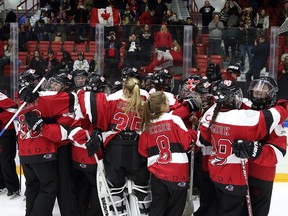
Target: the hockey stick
pixel 189 207
pixel 22 106
pixel 248 198
pixel 103 176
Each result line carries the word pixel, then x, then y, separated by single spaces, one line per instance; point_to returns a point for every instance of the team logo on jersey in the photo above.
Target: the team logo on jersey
pixel 83 166
pixel 47 156
pixel 229 187
pixel 182 184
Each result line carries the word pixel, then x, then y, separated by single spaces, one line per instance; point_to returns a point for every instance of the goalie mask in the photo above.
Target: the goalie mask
pixel 80 78
pixel 162 80
pixel 187 89
pixel 130 72
pixel 60 82
pixel 228 95
pixel 263 92
pixel 204 89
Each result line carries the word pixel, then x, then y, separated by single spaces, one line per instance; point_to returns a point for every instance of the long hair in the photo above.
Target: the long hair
pixel 216 111
pixel 133 89
pixel 152 108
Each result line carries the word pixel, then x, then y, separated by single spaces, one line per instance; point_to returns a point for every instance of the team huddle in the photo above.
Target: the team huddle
pixel 127 148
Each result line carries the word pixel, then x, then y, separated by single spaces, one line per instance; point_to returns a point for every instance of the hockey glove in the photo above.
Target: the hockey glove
pixel 192 105
pixel 95 142
pixel 246 149
pixel 33 121
pixel 26 95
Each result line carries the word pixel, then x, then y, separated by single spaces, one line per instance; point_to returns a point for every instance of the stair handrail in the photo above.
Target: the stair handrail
pixel 26 10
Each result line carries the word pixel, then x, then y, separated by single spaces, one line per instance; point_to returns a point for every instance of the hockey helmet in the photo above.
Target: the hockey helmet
pixel 96 83
pixel 228 95
pixel 130 72
pixel 187 88
pixel 163 80
pixel 80 78
pixel 60 82
pixel 263 92
pixel 29 78
pixel 204 89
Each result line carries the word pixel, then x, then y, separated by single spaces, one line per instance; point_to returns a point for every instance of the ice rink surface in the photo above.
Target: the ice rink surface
pixel 16 206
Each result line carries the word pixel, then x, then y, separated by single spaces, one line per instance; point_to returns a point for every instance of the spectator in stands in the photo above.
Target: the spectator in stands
pixel 260 51
pixel 5 59
pixel 261 21
pixel 39 30
pixel 147 17
pixel 66 63
pixel 49 31
pixel 89 4
pixel 61 30
pixel 93 64
pixel 66 6
pixel 246 37
pixel 81 19
pixel 168 4
pixel 52 63
pixel 195 29
pixel 144 6
pixel 136 29
pixel 127 20
pixel 224 13
pixel 54 19
pixel 26 27
pixel 163 39
pixel 133 5
pixel 38 63
pixel 121 5
pixel 284 13
pixel 146 41
pixel 206 11
pixel 112 56
pixel 216 28
pixel 81 63
pixel 230 40
pixel 283 69
pixel 160 9
pixel 133 51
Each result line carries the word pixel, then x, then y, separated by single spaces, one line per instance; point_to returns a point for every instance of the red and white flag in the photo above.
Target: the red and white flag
pixel 108 16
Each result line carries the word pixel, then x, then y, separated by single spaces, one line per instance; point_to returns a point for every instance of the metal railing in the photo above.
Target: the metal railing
pixel 34 5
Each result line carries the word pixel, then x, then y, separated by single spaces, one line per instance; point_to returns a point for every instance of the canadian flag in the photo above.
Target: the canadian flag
pixel 108 16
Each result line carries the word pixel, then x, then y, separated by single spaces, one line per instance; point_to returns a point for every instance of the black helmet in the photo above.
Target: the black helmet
pixel 130 72
pixel 263 92
pixel 163 80
pixel 213 72
pixel 204 89
pixel 29 78
pixel 228 95
pixel 96 83
pixel 77 74
pixel 64 79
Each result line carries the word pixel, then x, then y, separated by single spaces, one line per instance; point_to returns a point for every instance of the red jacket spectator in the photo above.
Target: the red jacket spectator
pixel 147 17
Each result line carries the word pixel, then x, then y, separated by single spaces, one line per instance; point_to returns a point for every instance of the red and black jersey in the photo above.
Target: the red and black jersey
pixel 118 119
pixel 224 167
pixel 92 114
pixel 273 150
pixel 165 143
pixel 40 146
pixel 9 108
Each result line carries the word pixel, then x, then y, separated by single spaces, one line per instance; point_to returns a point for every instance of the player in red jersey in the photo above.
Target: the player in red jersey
pixel 38 142
pixel 164 141
pixel 8 175
pixel 225 124
pixel 263 92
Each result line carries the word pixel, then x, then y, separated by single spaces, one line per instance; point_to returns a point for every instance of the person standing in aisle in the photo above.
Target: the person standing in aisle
pixel 164 141
pixel 8 177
